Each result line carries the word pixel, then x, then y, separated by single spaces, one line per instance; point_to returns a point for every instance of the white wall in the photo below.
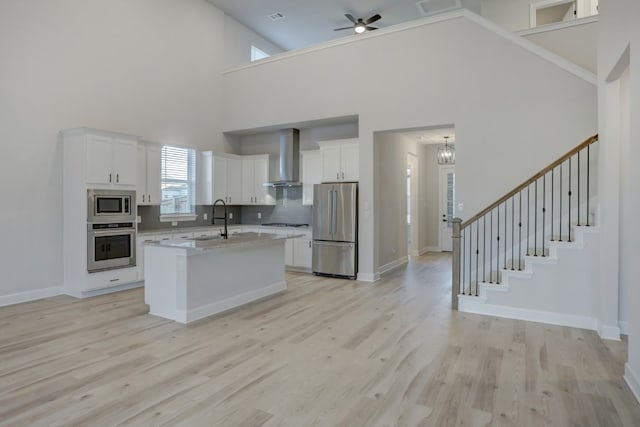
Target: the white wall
pixel 577 43
pixel 620 234
pixel 238 41
pixel 454 71
pixel 510 14
pixel 148 67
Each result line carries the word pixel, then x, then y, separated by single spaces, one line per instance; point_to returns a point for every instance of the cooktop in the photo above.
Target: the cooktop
pixel 284 224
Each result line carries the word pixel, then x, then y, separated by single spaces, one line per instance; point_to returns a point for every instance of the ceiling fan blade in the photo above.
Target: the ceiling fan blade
pixel 371 28
pixel 344 28
pixel 351 18
pixel 373 19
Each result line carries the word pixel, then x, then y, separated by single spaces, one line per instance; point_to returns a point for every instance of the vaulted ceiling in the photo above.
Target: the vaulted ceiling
pixel 308 22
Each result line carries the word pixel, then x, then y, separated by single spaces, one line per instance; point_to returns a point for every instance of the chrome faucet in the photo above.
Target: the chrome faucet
pixel 224 235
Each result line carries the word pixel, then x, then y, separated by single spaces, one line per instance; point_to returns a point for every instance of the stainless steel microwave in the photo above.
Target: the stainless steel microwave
pixel 111 206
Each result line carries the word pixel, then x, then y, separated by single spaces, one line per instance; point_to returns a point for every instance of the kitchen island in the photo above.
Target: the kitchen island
pixel 187 280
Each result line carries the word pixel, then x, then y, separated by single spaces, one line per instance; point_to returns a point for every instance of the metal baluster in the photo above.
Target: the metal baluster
pixel 544 208
pixel 578 188
pixel 560 217
pixel 464 247
pixel 477 253
pixel 490 245
pixel 569 193
pixel 470 258
pixel 513 235
pixel 498 248
pixel 520 232
pixel 528 215
pixel 588 166
pixel 553 172
pixel 484 248
pixel 505 236
pixel 535 221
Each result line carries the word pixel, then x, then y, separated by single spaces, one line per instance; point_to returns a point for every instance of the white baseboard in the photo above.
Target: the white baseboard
pixel 387 268
pixel 368 277
pixel 632 381
pixel 218 307
pixel 432 249
pixel 27 296
pixel 609 332
pixel 624 327
pixel 470 305
pixel 98 292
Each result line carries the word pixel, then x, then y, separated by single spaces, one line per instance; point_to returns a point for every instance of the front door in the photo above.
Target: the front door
pixel 447 203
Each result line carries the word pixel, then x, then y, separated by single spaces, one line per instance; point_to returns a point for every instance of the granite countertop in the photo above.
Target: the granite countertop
pixel 201 245
pixel 216 227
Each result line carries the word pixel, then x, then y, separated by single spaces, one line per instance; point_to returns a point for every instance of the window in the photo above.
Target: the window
pixel 178 182
pixel 258 54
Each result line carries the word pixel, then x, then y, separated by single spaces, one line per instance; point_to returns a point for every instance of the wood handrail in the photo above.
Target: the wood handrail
pixel 531 180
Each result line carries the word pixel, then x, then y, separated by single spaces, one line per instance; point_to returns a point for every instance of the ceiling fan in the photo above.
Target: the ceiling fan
pixel 360 25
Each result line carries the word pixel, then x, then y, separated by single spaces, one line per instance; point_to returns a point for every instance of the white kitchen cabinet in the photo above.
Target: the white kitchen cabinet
pixel 302 252
pixel 141 241
pixel 255 172
pixel 149 173
pixel 111 161
pixel 311 174
pixel 340 160
pixel 220 178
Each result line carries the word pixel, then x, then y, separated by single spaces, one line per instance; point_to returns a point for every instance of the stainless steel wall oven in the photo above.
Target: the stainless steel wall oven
pixel 110 245
pixel 111 229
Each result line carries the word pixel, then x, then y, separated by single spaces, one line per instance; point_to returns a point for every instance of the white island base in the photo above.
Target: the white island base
pixel 188 280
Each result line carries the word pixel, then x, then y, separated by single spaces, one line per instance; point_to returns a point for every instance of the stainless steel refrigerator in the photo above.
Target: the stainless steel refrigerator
pixel 335 229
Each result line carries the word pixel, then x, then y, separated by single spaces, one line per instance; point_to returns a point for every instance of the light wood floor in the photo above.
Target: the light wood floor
pixel 325 353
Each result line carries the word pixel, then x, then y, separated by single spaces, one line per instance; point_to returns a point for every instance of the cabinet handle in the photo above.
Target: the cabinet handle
pixel 309 243
pixel 118 178
pixel 342 175
pixel 229 199
pixel 337 175
pixel 149 198
pixel 109 177
pixel 143 198
pixel 114 280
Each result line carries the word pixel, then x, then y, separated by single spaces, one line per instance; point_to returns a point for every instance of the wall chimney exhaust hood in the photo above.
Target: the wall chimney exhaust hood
pixel 288 175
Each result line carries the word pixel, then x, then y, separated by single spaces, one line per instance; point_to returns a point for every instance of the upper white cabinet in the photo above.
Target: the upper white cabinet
pixel 311 174
pixel 220 178
pixel 110 160
pixel 148 190
pixel 255 172
pixel 339 160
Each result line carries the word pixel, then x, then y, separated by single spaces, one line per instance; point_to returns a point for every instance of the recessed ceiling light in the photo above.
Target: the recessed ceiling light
pixel 275 16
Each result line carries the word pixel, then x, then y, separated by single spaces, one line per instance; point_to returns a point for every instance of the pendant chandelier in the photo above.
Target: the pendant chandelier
pixel 446 153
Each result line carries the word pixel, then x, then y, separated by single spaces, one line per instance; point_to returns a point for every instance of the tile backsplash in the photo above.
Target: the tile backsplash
pixel 288 209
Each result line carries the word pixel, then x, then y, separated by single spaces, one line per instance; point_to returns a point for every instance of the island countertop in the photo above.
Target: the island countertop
pixel 199 245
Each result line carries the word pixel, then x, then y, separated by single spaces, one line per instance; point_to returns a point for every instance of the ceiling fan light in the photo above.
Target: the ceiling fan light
pixel 360 28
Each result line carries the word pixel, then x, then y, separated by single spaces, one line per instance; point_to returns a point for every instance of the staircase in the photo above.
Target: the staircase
pixel 531 255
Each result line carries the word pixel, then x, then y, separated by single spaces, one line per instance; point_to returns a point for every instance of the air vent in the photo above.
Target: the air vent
pixel 431 7
pixel 275 16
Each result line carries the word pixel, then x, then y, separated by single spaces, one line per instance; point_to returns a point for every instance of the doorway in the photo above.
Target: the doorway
pixel 412 205
pixel 447 203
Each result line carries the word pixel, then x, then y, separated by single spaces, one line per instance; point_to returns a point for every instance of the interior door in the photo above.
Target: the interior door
pixel 447 206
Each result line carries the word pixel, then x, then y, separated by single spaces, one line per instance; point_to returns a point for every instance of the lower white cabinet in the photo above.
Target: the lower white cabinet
pixel 302 252
pixel 111 278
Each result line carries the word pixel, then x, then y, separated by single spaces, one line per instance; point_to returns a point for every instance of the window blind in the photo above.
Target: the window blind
pixel 178 181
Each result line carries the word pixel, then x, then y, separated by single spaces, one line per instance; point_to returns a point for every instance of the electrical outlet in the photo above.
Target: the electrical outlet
pixel 138 219
pixel 174 223
pixel 230 215
pixel 259 215
pixel 205 216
